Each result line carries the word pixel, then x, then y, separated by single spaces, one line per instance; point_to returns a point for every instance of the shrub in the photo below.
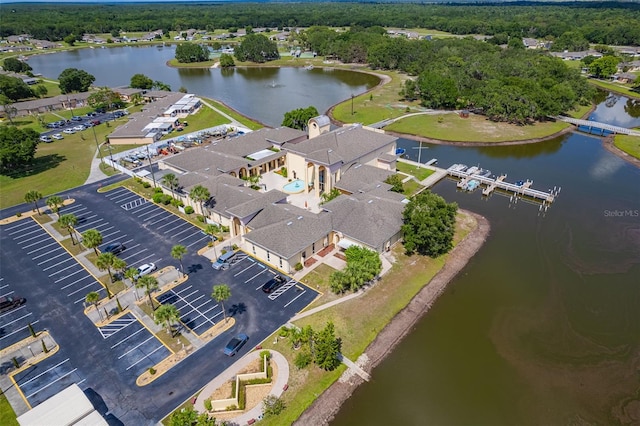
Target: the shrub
pixel 152 371
pixel 266 353
pixel 207 404
pixel 242 396
pixel 235 247
pixel 298 266
pixel 146 185
pixel 18 214
pixel 231 408
pixel 284 331
pixel 166 199
pixel 157 190
pixel 284 172
pixel 201 219
pixel 176 203
pixel 188 210
pixel 272 406
pixel 224 228
pixel 138 180
pixel 157 198
pixel 302 360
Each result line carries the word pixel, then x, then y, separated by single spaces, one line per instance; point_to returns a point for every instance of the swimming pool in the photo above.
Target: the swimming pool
pixel 294 187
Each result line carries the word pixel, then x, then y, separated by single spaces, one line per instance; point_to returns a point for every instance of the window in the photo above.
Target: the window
pixel 313 248
pixel 280 262
pixel 268 257
pixel 254 249
pixel 321 180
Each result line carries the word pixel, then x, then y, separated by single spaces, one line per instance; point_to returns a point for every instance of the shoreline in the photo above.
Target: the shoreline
pixel 325 407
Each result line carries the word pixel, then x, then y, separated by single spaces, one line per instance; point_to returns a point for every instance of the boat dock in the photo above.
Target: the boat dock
pixel 472 177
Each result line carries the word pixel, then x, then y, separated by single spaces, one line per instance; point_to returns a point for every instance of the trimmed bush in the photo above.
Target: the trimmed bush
pixel 302 360
pixel 158 190
pixel 231 408
pixel 157 198
pixel 201 219
pixel 235 247
pixel 166 199
pixel 152 371
pixel 146 185
pixel 207 404
pixel 188 210
pixel 18 214
pixel 298 266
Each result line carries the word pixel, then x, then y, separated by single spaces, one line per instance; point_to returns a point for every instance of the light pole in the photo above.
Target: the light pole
pixel 31 350
pixel 151 167
pixel 97 145
pixel 352 95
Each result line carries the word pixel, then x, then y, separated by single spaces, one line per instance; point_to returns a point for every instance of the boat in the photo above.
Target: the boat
pixel 472 185
pixel 400 151
pixel 472 170
pixel 308 67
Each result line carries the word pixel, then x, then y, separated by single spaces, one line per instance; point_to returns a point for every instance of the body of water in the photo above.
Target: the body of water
pixel 263 93
pixel 542 326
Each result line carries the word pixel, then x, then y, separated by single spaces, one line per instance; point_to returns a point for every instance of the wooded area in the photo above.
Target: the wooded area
pixel 597 22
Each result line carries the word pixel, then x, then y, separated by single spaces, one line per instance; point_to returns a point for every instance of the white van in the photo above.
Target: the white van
pixel 221 263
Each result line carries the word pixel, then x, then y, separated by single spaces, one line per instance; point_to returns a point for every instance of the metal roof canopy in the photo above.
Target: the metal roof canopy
pixel 345 243
pixel 68 407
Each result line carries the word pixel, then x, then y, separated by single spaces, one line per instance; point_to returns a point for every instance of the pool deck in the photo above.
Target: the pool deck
pixel 305 201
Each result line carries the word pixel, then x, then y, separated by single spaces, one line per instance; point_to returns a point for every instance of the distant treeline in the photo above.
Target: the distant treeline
pixel 597 22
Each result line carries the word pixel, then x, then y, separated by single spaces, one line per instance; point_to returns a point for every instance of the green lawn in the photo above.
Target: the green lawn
pixel 628 144
pixel 619 88
pixel 245 121
pixel 58 166
pixel 420 173
pixel 476 128
pixel 7 415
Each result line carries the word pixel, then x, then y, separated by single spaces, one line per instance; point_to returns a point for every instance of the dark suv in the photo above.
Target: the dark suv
pixel 114 248
pixel 8 303
pixel 273 284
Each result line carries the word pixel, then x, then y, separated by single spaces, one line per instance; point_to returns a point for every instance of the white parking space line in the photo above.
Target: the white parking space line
pixel 182 232
pixel 54 257
pixel 198 240
pixel 250 266
pixel 7 293
pixel 75 209
pixel 145 207
pixel 258 274
pixel 135 347
pixel 124 197
pixel 44 372
pixel 70 275
pixel 190 236
pixel 62 270
pixel 131 321
pixel 13 311
pixel 22 234
pixel 166 216
pixel 33 244
pixel 20 242
pixel 294 299
pixel 133 254
pixel 128 337
pixel 76 281
pixel 15 320
pixel 83 288
pixel 19 225
pixel 116 191
pixel 112 234
pixel 89 224
pixel 43 247
pixel 52 383
pixel 17 331
pixel 59 263
pixel 141 261
pixel 168 223
pixel 145 357
pixel 157 214
pixel 20 231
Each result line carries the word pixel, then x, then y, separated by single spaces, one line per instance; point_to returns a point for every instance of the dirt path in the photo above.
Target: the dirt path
pixel 323 410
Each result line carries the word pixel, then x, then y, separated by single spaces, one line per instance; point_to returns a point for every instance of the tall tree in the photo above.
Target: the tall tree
pixel 150 284
pixel 17 148
pixel 75 80
pixel 326 348
pixel 105 98
pixel 92 238
pixel 429 224
pixel 604 67
pixel 211 230
pixel 177 252
pixel 14 88
pixel 105 262
pixel 55 202
pixel 166 314
pixel 299 118
pixel 257 48
pixel 171 181
pixel 132 275
pixel 141 81
pixel 93 298
pixel 191 52
pixel 68 221
pixel 33 196
pixel 16 65
pixel 221 292
pixel 120 266
pixel 226 61
pixel 200 195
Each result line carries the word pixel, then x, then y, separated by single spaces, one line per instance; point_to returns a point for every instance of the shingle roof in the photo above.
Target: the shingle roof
pixel 255 205
pixel 343 145
pixel 361 175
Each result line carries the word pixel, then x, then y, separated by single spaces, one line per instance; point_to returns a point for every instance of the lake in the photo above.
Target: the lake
pixel 542 326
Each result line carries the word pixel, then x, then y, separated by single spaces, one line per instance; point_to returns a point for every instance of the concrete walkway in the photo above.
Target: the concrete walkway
pixel 95 174
pixel 232 120
pixel 255 413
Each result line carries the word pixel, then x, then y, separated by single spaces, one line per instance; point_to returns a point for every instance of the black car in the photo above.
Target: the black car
pixel 114 248
pixel 273 284
pixel 8 303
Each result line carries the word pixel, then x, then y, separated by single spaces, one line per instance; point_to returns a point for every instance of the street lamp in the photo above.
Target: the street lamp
pixel 31 350
pixel 97 145
pixel 352 95
pixel 151 167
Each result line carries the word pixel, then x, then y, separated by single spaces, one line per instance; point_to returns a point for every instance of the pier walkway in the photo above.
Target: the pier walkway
pixel 600 126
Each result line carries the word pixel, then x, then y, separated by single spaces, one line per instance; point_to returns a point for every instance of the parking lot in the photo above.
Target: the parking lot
pixel 55 286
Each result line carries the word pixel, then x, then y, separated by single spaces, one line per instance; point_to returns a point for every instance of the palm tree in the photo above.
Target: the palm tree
pixel 33 196
pixel 55 202
pixel 211 230
pixel 177 252
pixel 120 266
pixel 166 314
pixel 200 194
pixel 68 221
pixel 171 181
pixel 105 262
pixel 150 283
pixel 132 275
pixel 92 238
pixel 221 292
pixel 93 298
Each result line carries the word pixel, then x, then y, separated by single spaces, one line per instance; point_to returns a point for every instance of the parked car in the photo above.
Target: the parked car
pixel 69 131
pixel 101 110
pixel 146 269
pixel 273 283
pixel 91 114
pixel 54 125
pixel 114 248
pixel 76 118
pixel 57 136
pixel 95 122
pixel 79 128
pixel 9 302
pixel 46 139
pixel 235 344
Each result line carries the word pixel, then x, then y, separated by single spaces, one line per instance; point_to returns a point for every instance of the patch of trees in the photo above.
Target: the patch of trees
pixel 75 80
pixel 191 52
pixel 141 81
pixel 226 61
pixel 16 65
pixel 320 347
pixel 17 148
pixel 14 89
pixel 363 265
pixel 598 22
pixel 298 118
pixel 429 225
pixel 105 98
pixel 257 48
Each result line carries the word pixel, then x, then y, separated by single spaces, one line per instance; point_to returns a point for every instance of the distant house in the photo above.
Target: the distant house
pixel 576 56
pixel 625 77
pixel 56 103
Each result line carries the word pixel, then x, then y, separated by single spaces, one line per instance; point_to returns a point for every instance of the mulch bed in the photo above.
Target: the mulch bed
pixel 325 251
pixel 310 261
pixel 341 256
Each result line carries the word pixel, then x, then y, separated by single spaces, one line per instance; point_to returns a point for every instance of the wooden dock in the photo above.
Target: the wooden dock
pixel 491 184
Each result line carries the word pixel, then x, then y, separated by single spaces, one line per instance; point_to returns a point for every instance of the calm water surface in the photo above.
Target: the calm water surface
pixel 542 326
pixel 264 94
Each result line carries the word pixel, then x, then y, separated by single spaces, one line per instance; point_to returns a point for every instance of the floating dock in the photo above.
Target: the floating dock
pixel 490 184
